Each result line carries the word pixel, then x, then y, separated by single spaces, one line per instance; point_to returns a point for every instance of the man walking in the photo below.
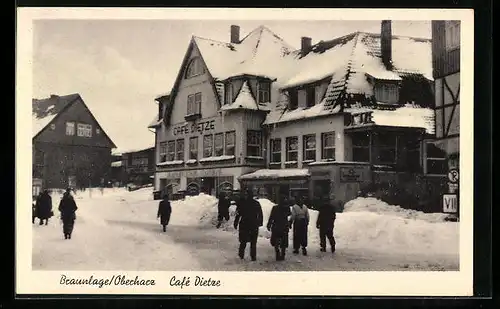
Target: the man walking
pixel 68 207
pixel 278 225
pixel 326 221
pixel 44 207
pixel 164 212
pixel 223 208
pixel 248 218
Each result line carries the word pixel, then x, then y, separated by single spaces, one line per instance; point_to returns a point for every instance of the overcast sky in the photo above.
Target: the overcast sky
pixel 119 66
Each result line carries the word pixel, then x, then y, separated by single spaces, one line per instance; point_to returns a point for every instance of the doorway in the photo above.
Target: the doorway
pixel 208 185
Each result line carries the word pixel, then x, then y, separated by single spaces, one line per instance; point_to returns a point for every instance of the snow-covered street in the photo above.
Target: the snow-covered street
pixel 118 230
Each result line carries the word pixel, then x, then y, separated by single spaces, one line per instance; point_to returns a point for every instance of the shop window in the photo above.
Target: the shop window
pixel 208 146
pixel 294 99
pixel 386 144
pixel 70 128
pixel 195 68
pixel 230 142
pixel 436 160
pixel 264 91
pixel 452 33
pixel 328 146
pixel 310 96
pixel 84 130
pixel 309 147
pixel 292 149
pixel 254 143
pixel 170 150
pixel 180 150
pixel 219 144
pixel 193 148
pixel 194 104
pixel 276 150
pixel 361 147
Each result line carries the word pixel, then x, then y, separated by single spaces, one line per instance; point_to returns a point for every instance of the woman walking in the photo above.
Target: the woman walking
pixel 278 225
pixel 164 212
pixel 44 207
pixel 68 207
pixel 300 221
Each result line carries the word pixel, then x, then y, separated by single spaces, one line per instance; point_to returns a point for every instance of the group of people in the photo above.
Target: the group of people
pixel 288 214
pixel 42 209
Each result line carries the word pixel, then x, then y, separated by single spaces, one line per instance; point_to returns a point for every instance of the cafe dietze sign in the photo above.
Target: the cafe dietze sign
pixel 194 128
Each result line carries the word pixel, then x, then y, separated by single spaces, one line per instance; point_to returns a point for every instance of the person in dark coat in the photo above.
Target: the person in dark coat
pixel 33 211
pixel 248 219
pixel 164 212
pixel 68 208
pixel 326 221
pixel 223 209
pixel 278 224
pixel 300 221
pixel 44 207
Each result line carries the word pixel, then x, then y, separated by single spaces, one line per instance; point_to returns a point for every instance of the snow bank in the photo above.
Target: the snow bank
pixel 370 204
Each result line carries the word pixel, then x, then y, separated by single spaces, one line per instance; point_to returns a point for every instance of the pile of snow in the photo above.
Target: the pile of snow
pixel 370 204
pixel 276 173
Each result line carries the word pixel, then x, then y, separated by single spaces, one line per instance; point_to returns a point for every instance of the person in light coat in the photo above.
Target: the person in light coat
pixel 300 222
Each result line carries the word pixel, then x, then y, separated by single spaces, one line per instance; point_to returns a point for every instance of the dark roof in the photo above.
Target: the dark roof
pixel 45 110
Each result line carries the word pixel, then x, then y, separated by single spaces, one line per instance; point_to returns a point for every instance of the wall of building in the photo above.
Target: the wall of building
pixel 447 114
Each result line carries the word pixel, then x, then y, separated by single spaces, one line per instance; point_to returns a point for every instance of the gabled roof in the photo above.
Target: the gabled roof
pixel 45 111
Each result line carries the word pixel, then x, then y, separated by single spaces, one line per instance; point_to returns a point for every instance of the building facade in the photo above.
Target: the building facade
pixel 70 149
pixel 138 166
pixel 326 119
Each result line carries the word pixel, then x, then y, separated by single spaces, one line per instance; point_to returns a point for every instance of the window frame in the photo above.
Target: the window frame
pixel 227 146
pixel 288 151
pixel 325 148
pixel 194 105
pixel 306 150
pixel 70 124
pixel 211 144
pixel 171 152
pixel 162 153
pixel 452 35
pixel 196 150
pixel 387 93
pixel 221 147
pixel 178 150
pixel 274 152
pixel 310 96
pixel 384 147
pixel 258 147
pixel 194 68
pixel 427 159
pixel 84 130
pixel 228 93
pixel 293 99
pixel 362 147
pixel 264 95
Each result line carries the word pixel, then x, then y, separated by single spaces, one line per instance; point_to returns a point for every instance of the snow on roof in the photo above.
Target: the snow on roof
pixel 116 164
pixel 276 173
pixel 45 110
pixel 407 116
pixel 155 122
pixel 296 114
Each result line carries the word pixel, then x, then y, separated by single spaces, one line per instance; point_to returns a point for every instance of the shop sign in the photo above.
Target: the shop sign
pixel 450 203
pixel 351 174
pixel 193 128
pixel 203 173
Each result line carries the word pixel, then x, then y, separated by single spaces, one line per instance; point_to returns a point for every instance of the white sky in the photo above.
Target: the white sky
pixel 120 66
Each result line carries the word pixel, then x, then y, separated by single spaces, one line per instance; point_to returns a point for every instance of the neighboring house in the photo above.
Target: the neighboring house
pixel 255 112
pixel 446 63
pixel 139 166
pixel 70 148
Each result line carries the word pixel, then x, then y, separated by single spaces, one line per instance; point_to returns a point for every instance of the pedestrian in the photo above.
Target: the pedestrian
pixel 33 210
pixel 248 220
pixel 223 208
pixel 300 221
pixel 44 207
pixel 326 221
pixel 164 212
pixel 278 225
pixel 68 208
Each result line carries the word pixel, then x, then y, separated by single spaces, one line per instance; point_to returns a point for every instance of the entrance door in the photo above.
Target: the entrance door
pixel 208 185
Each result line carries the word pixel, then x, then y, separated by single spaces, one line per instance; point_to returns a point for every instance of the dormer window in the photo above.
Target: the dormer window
pixel 264 92
pixel 387 93
pixel 310 96
pixel 452 32
pixel 293 99
pixel 228 93
pixel 195 68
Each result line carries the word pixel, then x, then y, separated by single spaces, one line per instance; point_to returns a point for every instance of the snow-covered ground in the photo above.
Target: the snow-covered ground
pixel 118 230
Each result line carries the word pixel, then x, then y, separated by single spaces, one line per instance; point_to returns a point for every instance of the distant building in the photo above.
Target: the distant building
pixel 138 166
pixel 70 148
pixel 330 117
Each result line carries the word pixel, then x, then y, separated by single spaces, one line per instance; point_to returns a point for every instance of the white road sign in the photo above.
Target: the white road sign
pixel 450 203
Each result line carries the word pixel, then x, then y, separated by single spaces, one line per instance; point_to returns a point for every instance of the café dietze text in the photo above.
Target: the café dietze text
pixel 199 127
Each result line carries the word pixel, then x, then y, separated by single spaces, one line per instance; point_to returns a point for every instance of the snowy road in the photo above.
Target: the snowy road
pixel 119 231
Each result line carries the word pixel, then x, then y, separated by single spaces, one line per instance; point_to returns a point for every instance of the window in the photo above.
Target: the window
pixel 436 160
pixel 387 93
pixel 230 143
pixel 170 150
pixel 179 150
pixel 328 146
pixel 294 99
pixel 254 143
pixel 70 128
pixel 53 126
pixel 292 148
pixel 193 148
pixel 452 32
pixel 276 150
pixel 163 151
pixel 264 92
pixel 310 96
pixel 361 147
pixel 84 130
pixel 97 131
pixel 219 144
pixel 208 145
pixel 412 151
pixel 194 104
pixel 195 68
pixel 228 93
pixel 386 148
pixel 309 147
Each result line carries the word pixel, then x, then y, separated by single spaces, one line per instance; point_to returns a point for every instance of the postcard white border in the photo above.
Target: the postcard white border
pixel 452 283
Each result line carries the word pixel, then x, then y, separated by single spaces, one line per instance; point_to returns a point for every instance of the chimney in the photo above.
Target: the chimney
pixel 386 43
pixel 235 34
pixel 305 45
